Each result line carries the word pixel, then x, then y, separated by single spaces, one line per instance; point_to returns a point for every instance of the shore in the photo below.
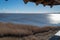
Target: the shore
pixel 10 31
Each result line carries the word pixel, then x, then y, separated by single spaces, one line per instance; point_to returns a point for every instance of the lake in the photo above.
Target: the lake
pixel 31 19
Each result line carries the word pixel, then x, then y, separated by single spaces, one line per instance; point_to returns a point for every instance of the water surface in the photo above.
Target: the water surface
pixel 30 19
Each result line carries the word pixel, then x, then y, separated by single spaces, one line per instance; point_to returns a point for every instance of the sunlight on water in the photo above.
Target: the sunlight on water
pixel 54 18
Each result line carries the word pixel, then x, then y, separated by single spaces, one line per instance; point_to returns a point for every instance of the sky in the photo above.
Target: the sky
pixel 18 6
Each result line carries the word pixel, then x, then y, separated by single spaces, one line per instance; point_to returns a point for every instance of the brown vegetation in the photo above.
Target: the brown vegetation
pixel 9 31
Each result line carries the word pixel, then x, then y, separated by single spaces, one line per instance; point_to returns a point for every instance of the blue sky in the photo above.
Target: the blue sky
pixel 18 6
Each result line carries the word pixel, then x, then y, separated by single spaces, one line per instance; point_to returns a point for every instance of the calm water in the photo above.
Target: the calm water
pixel 29 19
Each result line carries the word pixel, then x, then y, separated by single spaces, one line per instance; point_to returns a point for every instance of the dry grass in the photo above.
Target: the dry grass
pixel 27 32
